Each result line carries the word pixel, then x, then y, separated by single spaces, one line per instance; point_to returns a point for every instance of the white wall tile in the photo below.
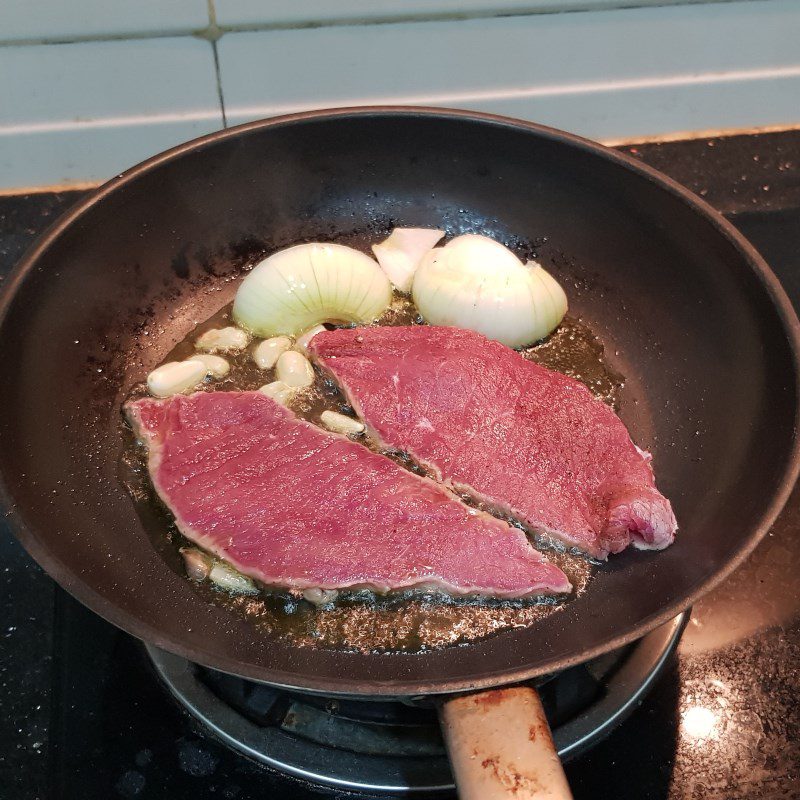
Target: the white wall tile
pixel 606 74
pixel 258 12
pixel 80 112
pixel 64 19
pixel 90 80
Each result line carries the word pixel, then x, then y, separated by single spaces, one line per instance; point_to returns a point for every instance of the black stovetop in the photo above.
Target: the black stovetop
pixel 84 718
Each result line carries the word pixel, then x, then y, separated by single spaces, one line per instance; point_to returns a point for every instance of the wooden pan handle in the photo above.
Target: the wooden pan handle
pixel 500 747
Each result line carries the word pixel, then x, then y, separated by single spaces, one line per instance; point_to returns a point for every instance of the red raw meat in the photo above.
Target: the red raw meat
pixel 527 441
pixel 295 506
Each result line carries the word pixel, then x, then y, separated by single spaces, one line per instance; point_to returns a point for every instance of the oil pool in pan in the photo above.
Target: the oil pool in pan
pixel 406 621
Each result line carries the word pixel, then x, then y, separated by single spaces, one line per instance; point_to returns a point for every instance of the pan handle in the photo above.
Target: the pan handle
pixel 500 746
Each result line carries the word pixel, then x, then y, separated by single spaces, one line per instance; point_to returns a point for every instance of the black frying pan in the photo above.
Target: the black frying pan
pixel 703 332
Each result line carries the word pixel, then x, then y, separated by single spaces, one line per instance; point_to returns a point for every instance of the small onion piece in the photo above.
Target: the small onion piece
pixel 341 423
pixel 216 366
pixel 305 285
pixel 278 391
pixel 304 338
pixel 295 370
pixel 401 254
pixel 266 353
pixel 175 377
pixel 223 340
pixel 226 577
pixel 197 563
pixel 476 283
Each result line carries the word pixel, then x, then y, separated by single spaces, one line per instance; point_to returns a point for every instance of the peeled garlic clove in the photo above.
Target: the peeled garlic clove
pixel 401 254
pixel 340 423
pixel 320 597
pixel 304 338
pixel 197 563
pixel 478 284
pixel 266 353
pixel 175 377
pixel 223 340
pixel 278 391
pixel 294 369
pixel 229 579
pixel 302 286
pixel 216 366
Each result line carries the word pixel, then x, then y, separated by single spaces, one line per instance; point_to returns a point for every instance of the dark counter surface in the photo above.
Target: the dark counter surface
pixel 83 719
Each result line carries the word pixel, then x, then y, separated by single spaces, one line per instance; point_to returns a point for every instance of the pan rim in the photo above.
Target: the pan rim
pixel 137 627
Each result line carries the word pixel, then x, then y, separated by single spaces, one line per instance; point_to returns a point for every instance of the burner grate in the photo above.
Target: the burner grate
pixel 394 746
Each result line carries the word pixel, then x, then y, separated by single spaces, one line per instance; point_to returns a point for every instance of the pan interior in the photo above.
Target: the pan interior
pixel 683 306
pixel 401 622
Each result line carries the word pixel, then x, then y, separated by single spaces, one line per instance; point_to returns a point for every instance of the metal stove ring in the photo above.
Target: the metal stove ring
pixel 401 774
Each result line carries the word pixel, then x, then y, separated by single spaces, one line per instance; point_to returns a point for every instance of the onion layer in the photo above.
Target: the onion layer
pixel 300 287
pixel 401 254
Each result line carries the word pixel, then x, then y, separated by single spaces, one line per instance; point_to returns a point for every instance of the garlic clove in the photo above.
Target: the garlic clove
pixel 216 366
pixel 341 423
pixel 266 353
pixel 175 377
pixel 226 577
pixel 223 340
pixel 197 563
pixel 294 369
pixel 320 597
pixel 279 391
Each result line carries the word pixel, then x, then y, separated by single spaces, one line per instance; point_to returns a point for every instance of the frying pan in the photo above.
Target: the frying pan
pixel 696 321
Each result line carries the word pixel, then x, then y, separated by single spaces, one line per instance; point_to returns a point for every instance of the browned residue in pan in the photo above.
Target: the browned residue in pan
pixel 363 622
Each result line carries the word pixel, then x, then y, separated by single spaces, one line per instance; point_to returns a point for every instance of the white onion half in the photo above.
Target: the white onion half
pixel 476 283
pixel 401 254
pixel 300 287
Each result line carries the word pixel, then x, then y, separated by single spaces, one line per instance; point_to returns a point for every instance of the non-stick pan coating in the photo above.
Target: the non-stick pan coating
pixel 704 334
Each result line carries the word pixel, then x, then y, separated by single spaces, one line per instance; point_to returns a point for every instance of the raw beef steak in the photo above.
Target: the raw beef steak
pixel 528 441
pixel 294 506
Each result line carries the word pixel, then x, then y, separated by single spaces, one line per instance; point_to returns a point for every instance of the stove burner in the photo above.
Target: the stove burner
pixel 392 746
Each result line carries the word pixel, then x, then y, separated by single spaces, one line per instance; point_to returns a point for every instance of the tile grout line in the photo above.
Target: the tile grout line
pixel 465 16
pixel 213 34
pixel 220 93
pixel 131 36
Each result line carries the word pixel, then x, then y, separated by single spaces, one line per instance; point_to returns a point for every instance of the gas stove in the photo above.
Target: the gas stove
pixel 704 707
pixel 395 746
